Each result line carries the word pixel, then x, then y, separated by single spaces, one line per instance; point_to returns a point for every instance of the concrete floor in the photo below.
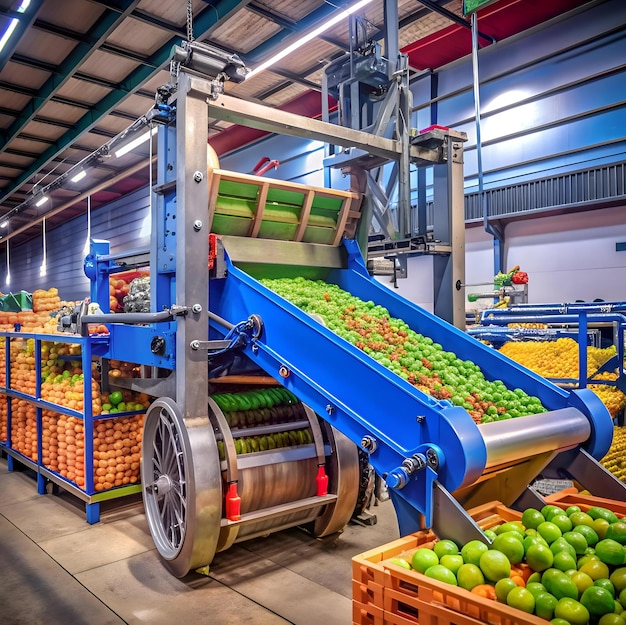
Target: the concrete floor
pixel 57 569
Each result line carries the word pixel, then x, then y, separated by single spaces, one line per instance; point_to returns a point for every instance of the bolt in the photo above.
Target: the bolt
pixel 420 418
pixel 369 444
pixel 330 409
pixel 195 345
pixel 197 225
pixel 284 372
pixel 198 176
pixel 255 348
pixel 196 308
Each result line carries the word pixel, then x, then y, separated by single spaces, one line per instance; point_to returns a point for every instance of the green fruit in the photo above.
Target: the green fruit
pixel 598 601
pixel 401 562
pixel 597 512
pixel 442 574
pixel 115 397
pixel 469 576
pixel 610 552
pixel 494 565
pixel 423 559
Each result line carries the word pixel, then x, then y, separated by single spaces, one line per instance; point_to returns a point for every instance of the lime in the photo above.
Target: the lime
pixel 452 562
pixel 539 557
pixel 582 581
pixel 533 540
pixel 549 511
pixel 441 574
pixel 596 569
pixel 622 596
pixel 445 547
pixel 610 551
pixel 494 565
pixel 581 518
pixel 115 397
pixel 511 526
pixel 545 604
pixel 601 526
pixel 561 544
pixel 535 577
pixel 598 512
pixel 490 534
pixel 618 578
pixel 472 551
pixel 522 599
pixel 589 533
pixel 617 531
pixel 503 587
pixel 423 559
pixel 582 560
pixel 549 531
pixel 607 584
pixel 598 601
pixel 576 540
pixel 535 587
pixel 531 518
pixel 562 521
pixel 564 561
pixel 469 575
pixel 611 619
pixel 571 611
pixel 511 545
pixel 400 562
pixel 559 621
pixel 571 509
pixel 561 585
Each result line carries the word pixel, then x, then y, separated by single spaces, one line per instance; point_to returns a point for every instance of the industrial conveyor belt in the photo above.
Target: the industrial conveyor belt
pixel 377 409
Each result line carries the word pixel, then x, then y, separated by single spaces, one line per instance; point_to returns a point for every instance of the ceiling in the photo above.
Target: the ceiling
pixel 76 73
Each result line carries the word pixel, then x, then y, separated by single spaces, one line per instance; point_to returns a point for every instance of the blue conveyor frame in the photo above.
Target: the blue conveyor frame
pixel 368 402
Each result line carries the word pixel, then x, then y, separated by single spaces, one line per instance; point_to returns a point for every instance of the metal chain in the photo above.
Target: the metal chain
pixel 190 20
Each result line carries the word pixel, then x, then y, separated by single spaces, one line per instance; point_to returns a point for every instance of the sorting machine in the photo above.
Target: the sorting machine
pixel 215 234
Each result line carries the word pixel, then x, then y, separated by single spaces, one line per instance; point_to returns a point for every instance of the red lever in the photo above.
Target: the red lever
pixel 212 250
pixel 233 503
pixel 322 481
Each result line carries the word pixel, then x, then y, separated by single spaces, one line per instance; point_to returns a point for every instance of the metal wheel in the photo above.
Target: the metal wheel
pixel 182 487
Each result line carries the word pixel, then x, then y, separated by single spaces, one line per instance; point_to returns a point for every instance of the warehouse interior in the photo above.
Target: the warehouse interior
pixel 402 313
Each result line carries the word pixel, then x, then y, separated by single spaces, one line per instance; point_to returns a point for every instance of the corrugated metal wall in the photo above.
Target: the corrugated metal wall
pixel 125 222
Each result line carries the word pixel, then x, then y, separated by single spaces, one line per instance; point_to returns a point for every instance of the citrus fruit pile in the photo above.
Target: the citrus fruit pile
pixel 559 360
pixel 615 459
pixel 566 566
pixel 411 355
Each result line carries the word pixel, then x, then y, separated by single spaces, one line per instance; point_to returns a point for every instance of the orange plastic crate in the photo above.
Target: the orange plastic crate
pixel 571 497
pixel 410 598
pixel 366 614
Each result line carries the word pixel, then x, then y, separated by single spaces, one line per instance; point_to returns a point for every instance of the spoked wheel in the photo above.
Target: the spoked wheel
pixel 182 487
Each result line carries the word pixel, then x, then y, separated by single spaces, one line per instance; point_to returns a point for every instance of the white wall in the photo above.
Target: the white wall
pixel 571 256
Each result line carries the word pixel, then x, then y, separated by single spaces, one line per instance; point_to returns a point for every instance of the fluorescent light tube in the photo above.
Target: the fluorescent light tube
pixel 308 37
pixel 79 176
pixel 4 224
pixel 137 141
pixel 12 25
pixel 41 201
